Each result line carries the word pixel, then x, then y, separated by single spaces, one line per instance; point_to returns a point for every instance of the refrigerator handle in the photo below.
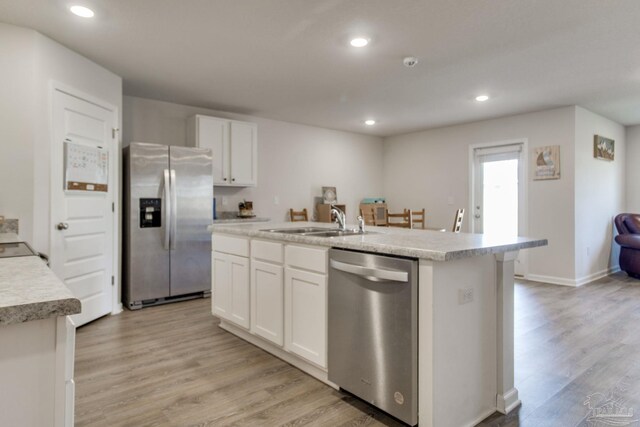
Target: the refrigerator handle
pixel 174 209
pixel 167 209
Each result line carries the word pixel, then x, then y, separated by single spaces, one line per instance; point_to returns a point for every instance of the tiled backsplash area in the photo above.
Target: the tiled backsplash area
pixel 9 226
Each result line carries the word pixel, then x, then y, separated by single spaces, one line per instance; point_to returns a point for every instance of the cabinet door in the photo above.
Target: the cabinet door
pixel 244 153
pixel 220 286
pixel 306 315
pixel 213 133
pixel 267 301
pixel 239 280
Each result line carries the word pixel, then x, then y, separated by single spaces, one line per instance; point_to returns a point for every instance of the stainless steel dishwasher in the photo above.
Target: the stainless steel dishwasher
pixel 373 330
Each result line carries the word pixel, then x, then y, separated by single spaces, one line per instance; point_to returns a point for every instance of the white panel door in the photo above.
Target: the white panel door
pixel 213 133
pixel 498 195
pixel 221 286
pixel 240 290
pixel 306 315
pixel 82 236
pixel 244 153
pixel 267 301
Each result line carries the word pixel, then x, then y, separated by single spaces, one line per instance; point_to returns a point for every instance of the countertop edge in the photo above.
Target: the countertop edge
pixel 351 243
pixel 41 310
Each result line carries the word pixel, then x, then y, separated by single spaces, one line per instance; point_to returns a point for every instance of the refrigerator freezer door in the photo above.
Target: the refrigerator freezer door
pixel 192 187
pixel 147 267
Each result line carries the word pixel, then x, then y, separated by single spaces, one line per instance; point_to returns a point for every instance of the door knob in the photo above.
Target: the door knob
pixel 62 226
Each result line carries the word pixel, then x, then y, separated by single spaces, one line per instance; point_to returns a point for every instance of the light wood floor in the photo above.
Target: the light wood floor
pixel 172 366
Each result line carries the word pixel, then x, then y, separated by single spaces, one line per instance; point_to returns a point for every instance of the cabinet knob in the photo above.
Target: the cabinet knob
pixel 224 179
pixel 233 179
pixel 62 226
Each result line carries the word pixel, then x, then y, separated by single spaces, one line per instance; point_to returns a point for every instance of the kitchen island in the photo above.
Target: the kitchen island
pixel 270 288
pixel 38 339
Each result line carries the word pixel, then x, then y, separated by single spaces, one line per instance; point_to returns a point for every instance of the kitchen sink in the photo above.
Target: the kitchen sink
pixel 296 230
pixel 334 233
pixel 316 232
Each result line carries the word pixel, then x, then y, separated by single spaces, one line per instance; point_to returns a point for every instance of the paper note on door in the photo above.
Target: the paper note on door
pixel 86 167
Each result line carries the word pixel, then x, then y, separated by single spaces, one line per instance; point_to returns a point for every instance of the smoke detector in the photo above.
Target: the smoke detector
pixel 410 61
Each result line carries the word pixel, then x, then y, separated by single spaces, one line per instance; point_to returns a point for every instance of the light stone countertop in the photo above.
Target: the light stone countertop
pixel 423 244
pixel 30 291
pixel 240 220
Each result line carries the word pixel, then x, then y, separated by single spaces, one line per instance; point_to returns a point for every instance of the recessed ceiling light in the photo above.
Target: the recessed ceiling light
pixel 482 98
pixel 359 42
pixel 82 11
pixel 370 122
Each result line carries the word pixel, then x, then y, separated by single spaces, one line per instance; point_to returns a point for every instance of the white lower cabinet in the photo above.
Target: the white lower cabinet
pixel 276 291
pixel 231 291
pixel 306 315
pixel 267 301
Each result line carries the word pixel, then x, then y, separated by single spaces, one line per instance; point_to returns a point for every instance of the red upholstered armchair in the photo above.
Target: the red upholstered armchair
pixel 628 226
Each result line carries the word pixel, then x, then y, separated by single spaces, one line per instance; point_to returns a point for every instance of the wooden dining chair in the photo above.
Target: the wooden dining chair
pixel 457 222
pixel 404 219
pixel 417 219
pixel 369 216
pixel 298 216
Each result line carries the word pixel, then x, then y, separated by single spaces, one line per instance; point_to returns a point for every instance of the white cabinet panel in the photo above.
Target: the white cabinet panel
pixel 307 258
pixel 231 245
pixel 213 133
pixel 221 286
pixel 267 301
pixel 234 146
pixel 230 287
pixel 267 251
pixel 244 153
pixel 306 315
pixel 240 301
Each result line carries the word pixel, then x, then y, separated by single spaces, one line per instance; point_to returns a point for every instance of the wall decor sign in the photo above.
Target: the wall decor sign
pixel 603 148
pixel 546 162
pixel 329 195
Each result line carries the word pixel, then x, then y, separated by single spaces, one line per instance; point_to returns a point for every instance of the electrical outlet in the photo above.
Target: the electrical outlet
pixel 276 200
pixel 450 200
pixel 465 295
pixel 225 201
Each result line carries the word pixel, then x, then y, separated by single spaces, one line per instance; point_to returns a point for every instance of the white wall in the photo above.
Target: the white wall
pixel 294 161
pixel 56 63
pixel 600 194
pixel 17 133
pixel 30 62
pixel 633 171
pixel 425 169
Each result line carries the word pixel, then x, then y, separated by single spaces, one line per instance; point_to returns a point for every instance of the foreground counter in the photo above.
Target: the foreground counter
pixel 37 343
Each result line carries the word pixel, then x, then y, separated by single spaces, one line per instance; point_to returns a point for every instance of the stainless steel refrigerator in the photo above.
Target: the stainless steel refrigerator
pixel 168 194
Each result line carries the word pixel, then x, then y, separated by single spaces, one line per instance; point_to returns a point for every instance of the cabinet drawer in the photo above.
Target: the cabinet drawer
pixel 231 245
pixel 267 251
pixel 306 258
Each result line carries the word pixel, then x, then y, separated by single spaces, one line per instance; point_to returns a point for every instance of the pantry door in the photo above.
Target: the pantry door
pixel 84 156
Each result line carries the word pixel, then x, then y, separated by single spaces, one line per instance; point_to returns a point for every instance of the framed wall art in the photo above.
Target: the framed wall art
pixel 603 148
pixel 546 162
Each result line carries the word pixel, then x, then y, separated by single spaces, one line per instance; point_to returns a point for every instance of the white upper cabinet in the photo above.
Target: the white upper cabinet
pixel 234 145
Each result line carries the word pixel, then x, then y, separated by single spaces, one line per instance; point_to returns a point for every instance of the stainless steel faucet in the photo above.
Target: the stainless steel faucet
pixel 341 218
pixel 360 224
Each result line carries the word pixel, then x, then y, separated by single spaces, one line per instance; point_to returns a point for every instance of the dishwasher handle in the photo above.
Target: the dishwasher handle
pixel 369 273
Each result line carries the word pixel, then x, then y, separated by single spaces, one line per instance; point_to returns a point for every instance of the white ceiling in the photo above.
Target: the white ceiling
pixel 290 59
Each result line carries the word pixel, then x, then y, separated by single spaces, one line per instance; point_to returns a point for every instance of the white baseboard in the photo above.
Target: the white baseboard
pixel 573 282
pixel 481 417
pixel 311 369
pixel 117 309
